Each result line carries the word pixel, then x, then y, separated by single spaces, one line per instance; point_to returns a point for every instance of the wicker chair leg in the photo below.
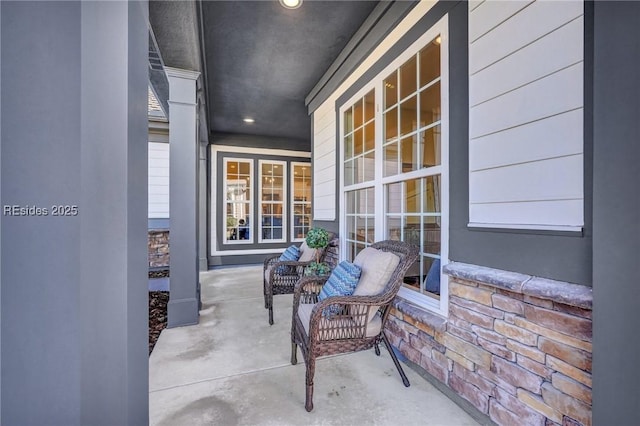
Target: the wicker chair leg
pixel 294 353
pixel 395 360
pixel 311 367
pixel 271 313
pixel 377 349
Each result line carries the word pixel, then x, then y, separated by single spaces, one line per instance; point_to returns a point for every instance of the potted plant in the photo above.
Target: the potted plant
pixel 317 238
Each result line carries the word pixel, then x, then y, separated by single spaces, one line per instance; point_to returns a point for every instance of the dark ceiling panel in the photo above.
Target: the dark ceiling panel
pixel 262 60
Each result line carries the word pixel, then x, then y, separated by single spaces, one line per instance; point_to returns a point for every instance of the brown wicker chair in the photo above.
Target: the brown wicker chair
pixel 278 280
pixel 360 322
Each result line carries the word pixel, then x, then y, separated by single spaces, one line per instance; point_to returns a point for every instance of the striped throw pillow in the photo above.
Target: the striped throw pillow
pixel 292 253
pixel 341 282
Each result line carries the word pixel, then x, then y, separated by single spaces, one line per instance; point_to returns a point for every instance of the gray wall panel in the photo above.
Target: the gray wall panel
pixel 616 213
pixel 74 297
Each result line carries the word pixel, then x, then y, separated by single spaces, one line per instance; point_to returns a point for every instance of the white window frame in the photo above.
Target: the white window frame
pixel 292 202
pixel 223 217
pixel 284 200
pixel 441 28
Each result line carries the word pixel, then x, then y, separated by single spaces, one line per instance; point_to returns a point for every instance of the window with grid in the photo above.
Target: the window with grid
pixel 404 195
pixel 272 201
pixel 359 140
pixel 300 200
pixel 238 200
pixel 412 142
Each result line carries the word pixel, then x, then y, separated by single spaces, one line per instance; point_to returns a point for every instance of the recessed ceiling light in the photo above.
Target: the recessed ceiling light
pixel 291 4
pixel 248 120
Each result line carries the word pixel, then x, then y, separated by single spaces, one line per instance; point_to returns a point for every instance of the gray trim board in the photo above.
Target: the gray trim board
pixel 616 213
pixel 162 223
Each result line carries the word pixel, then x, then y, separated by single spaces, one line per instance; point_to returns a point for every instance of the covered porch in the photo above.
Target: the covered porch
pixel 233 368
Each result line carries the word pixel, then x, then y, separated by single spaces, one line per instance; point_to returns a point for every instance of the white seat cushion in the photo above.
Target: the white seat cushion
pixel 331 327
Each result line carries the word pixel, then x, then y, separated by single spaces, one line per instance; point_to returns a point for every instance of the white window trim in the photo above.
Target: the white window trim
pixel 223 217
pixel 440 28
pixel 291 199
pixel 284 200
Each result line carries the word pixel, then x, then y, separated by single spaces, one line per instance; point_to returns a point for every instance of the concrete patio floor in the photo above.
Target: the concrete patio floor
pixel 234 369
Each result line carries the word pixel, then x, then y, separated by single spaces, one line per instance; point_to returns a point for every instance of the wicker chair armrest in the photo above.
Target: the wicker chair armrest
pixel 271 260
pixel 307 287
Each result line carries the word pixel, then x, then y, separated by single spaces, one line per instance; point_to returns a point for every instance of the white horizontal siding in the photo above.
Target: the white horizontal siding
pixel 557 136
pixel 490 14
pixel 158 206
pixel 523 28
pixel 526 97
pixel 552 95
pixel 554 179
pixel 559 49
pixel 324 164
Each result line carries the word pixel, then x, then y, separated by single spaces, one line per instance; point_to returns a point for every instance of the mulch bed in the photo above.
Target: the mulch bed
pixel 157 309
pixel 157 315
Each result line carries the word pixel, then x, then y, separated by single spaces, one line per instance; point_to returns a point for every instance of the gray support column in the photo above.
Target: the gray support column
pixel 616 213
pixel 74 286
pixel 202 209
pixel 183 198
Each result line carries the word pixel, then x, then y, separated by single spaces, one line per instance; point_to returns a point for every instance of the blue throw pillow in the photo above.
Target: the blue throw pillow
pixel 341 282
pixel 432 281
pixel 292 253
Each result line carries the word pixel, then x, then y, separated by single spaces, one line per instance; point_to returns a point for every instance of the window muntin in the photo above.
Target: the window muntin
pixel 300 200
pixel 272 201
pixel 360 220
pixel 359 140
pixel 238 200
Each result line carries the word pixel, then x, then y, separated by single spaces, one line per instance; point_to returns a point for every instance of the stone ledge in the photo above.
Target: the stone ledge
pixel 557 291
pixel 438 323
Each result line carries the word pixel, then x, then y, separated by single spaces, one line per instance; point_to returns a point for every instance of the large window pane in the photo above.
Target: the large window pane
pixel 430 105
pixel 408 80
pixel 391 124
pixel 348 121
pixel 391 159
pixel 369 137
pixel 430 147
pixel 430 62
pixel 272 200
pixel 237 184
pixel 409 151
pixel 391 90
pixel 301 200
pixel 409 115
pixel 369 106
pixel 357 114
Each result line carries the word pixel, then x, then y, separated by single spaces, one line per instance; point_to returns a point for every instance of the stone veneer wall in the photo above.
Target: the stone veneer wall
pixel 158 245
pixel 517 347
